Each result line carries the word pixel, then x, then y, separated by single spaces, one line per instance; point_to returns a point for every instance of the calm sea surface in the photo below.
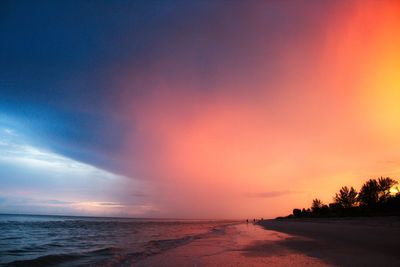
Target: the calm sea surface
pixel 30 240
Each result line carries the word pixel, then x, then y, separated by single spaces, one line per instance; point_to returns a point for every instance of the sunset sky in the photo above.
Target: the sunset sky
pixel 195 109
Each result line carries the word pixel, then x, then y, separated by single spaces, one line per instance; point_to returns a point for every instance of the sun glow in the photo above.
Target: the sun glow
pixel 257 114
pixel 394 190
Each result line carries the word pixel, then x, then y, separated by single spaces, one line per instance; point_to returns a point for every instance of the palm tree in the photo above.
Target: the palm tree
pixel 346 197
pixel 316 205
pixel 369 193
pixel 384 185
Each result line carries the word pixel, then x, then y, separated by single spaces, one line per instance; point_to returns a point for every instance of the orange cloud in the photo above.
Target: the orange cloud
pixel 327 117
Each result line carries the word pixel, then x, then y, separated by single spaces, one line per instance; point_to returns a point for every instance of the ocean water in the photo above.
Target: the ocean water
pixel 30 240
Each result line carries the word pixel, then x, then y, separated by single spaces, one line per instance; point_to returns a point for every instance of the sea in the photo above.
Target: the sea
pixel 38 240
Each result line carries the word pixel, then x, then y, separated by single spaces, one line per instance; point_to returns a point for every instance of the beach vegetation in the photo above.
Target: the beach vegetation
pixel 385 184
pixel 316 205
pixel 346 198
pixel 369 193
pixel 377 197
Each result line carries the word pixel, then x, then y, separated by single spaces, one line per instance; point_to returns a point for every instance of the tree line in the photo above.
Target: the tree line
pixel 375 198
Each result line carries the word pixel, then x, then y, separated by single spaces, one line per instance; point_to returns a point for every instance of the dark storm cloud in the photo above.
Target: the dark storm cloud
pixel 61 61
pixel 54 57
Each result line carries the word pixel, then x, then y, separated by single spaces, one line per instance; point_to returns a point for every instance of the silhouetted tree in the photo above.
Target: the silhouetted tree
pixel 374 198
pixel 297 212
pixel 369 193
pixel 384 185
pixel 316 205
pixel 346 198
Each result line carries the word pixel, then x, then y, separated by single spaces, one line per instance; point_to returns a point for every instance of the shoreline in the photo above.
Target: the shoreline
pixel 321 242
pixel 236 245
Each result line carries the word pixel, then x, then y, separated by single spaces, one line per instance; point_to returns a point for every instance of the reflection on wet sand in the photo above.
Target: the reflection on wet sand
pixel 236 245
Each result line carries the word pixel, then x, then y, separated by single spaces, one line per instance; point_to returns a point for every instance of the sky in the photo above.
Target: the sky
pixel 195 109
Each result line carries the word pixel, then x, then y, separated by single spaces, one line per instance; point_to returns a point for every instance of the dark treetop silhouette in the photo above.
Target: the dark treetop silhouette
pixel 374 199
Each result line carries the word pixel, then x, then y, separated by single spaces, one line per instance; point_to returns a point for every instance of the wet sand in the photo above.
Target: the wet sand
pixel 234 245
pixel 316 242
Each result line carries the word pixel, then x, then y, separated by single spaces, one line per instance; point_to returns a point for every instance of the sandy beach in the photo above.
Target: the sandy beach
pixel 234 245
pixel 343 241
pixel 317 242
